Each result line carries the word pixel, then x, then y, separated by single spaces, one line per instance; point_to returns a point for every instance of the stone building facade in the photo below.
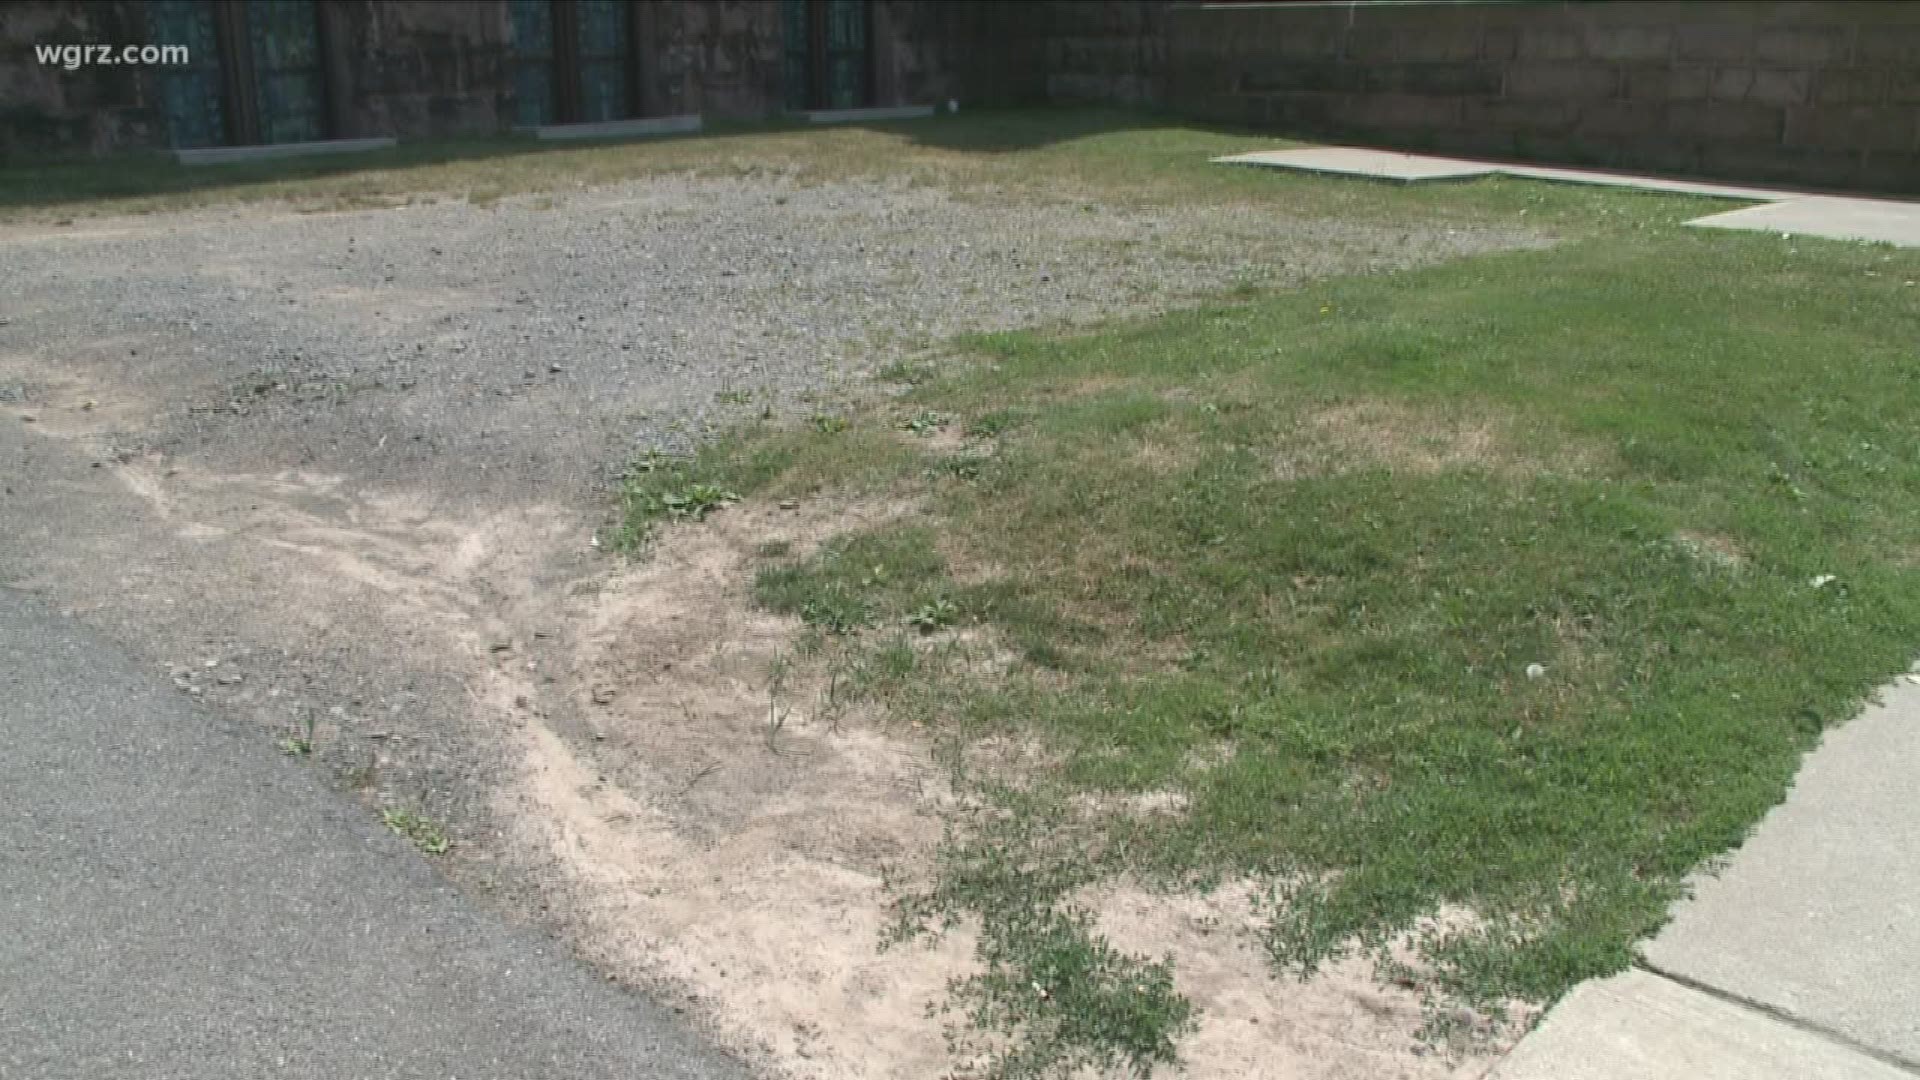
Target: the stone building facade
pixel 1824 94
pixel 294 70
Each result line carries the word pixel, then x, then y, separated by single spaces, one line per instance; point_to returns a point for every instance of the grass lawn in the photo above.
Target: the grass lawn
pixel 1511 589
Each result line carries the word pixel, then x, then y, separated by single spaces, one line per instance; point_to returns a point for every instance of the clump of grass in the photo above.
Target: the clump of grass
pixel 659 488
pixel 936 614
pixel 855 584
pixel 300 745
pixel 995 423
pixel 966 467
pixel 904 372
pixel 925 422
pixel 422 832
pixel 1053 996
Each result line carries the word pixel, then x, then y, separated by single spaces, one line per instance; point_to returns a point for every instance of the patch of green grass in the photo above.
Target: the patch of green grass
pixel 1489 586
pixel 421 832
pixel 904 372
pixel 965 467
pixel 660 488
pixel 302 744
pixel 1053 996
pixel 994 424
pixel 853 584
pixel 936 614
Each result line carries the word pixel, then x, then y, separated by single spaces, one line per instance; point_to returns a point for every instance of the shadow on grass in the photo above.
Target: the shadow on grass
pixel 152 173
pixel 45 183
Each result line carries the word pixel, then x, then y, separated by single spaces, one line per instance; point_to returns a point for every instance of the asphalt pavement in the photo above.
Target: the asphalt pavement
pixel 178 898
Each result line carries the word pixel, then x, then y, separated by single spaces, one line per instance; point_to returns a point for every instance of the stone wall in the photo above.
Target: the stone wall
pixel 418 68
pixel 430 68
pixel 720 59
pixel 1111 52
pixel 47 109
pixel 929 52
pixel 1824 94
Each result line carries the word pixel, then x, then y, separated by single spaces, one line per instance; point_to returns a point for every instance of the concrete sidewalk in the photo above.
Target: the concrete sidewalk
pixel 1800 961
pixel 179 900
pixel 1781 211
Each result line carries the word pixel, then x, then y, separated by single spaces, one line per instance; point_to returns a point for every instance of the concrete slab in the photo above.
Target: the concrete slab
pixel 1834 217
pixel 1650 183
pixel 213 155
pixel 850 116
pixel 1818 915
pixel 1639 1026
pixel 1374 164
pixel 1410 168
pixel 619 129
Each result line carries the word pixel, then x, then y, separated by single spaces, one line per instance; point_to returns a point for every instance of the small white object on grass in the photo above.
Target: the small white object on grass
pixel 1535 671
pixel 1822 581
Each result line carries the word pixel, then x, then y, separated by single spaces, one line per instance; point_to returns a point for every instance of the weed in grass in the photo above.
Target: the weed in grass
pixel 421 832
pixel 904 372
pixel 831 425
pixel 837 613
pixel 778 709
pixel 925 423
pixel 300 745
pixel 993 424
pixel 1053 997
pixel 773 549
pixel 733 397
pixel 959 466
pixel 659 488
pixel 695 500
pixel 934 615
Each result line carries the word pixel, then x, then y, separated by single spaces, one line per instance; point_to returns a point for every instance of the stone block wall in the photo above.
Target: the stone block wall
pixel 1824 94
pixel 92 109
pixel 1098 52
pixel 721 59
pixel 418 68
pixel 432 68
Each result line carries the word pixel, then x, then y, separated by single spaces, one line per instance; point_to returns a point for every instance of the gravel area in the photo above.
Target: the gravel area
pixel 511 347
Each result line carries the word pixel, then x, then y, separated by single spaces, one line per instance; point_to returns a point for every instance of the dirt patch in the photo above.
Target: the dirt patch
pixel 1342 1024
pixel 1402 438
pixel 1368 432
pixel 1712 550
pixel 1161 456
pixel 724 830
